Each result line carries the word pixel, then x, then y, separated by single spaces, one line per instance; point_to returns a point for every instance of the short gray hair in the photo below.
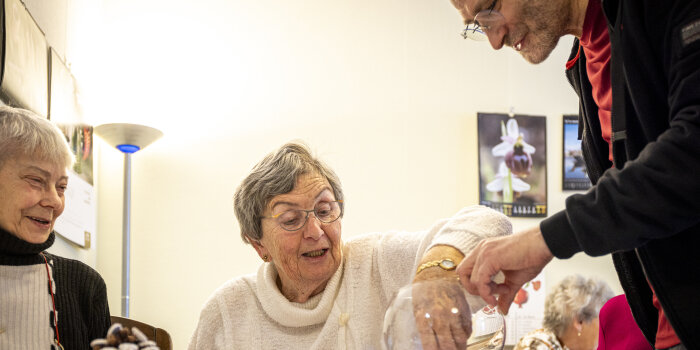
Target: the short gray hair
pixel 23 133
pixel 276 174
pixel 574 298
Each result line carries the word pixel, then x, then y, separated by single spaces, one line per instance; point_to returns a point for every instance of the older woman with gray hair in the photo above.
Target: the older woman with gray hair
pixel 34 156
pixel 570 316
pixel 314 291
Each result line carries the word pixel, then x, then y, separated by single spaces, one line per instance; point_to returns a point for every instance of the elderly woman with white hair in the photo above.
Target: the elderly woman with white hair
pixel 570 316
pixel 36 286
pixel 314 291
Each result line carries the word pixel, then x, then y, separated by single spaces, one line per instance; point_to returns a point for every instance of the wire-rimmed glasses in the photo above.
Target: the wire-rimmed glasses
pixel 485 22
pixel 295 219
pixel 475 32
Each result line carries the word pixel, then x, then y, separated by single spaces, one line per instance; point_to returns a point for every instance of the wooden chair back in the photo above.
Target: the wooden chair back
pixel 158 335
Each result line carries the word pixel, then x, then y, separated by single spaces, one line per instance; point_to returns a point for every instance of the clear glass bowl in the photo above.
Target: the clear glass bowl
pixel 488 327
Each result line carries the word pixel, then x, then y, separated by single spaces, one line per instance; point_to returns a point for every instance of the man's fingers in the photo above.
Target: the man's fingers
pixel 502 289
pixel 475 276
pixel 505 299
pixel 481 278
pixel 465 270
pixel 486 293
pixel 504 306
pixel 506 295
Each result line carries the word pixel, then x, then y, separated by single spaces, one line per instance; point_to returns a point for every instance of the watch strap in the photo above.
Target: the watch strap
pixel 445 264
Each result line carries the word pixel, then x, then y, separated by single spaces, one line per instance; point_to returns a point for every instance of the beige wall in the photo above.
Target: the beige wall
pixel 65 24
pixel 385 91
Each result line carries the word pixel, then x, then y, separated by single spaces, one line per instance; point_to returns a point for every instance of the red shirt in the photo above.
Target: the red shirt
pixel 596 46
pixel 665 335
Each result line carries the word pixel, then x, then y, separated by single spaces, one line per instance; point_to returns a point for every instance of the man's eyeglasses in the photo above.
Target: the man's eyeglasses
pixel 485 22
pixel 295 219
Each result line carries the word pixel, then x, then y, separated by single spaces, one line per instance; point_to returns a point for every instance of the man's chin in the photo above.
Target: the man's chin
pixel 535 57
pixel 538 51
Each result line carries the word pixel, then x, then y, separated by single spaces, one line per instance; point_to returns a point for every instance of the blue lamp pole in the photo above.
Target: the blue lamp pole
pixel 129 139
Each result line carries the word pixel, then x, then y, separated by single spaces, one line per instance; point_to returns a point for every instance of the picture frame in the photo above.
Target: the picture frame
pixel 574 174
pixel 513 163
pixel 24 66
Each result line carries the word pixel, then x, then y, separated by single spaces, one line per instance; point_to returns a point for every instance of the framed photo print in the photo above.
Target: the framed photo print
pixel 23 59
pixel 513 164
pixel 574 175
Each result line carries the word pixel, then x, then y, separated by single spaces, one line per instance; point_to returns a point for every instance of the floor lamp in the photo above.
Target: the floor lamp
pixel 127 138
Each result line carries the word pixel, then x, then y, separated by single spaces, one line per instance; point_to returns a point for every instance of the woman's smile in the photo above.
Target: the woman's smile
pixel 315 254
pixel 44 224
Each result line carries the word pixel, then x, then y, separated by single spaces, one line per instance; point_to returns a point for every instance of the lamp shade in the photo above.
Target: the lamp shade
pixel 128 138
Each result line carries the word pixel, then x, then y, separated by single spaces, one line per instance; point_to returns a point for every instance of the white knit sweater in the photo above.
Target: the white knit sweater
pixel 251 313
pixel 25 307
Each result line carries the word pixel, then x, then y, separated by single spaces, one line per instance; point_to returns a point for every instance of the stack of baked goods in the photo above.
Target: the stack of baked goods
pixel 123 338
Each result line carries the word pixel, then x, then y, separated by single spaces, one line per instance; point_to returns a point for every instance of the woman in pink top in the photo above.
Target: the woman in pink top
pixel 618 330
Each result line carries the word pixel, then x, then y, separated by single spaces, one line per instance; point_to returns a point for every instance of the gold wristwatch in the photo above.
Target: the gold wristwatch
pixel 445 264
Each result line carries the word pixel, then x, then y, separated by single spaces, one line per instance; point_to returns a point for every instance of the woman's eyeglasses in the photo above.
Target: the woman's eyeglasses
pixel 295 219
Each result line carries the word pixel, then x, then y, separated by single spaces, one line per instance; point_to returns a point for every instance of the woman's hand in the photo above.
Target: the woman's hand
pixel 442 314
pixel 441 311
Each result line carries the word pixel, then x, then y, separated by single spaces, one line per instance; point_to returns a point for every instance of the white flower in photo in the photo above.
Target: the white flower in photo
pixel 511 134
pixel 502 181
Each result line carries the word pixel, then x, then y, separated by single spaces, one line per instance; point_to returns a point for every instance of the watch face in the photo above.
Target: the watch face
pixel 447 264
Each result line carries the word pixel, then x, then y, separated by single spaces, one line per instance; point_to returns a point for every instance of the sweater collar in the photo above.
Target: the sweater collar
pixel 15 251
pixel 291 314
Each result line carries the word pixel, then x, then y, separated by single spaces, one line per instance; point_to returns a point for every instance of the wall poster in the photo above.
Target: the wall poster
pixel 513 164
pixel 574 175
pixel 527 311
pixel 78 222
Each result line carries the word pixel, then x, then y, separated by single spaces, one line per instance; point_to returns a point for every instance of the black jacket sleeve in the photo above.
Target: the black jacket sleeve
pixel 653 194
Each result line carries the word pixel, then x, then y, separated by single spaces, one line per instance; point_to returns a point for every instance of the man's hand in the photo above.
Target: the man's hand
pixel 520 257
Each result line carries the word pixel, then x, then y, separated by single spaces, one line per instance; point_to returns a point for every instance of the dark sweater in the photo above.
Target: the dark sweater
pixel 81 294
pixel 645 210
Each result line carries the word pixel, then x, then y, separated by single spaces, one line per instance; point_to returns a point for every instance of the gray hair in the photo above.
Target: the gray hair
pixel 23 133
pixel 574 298
pixel 276 174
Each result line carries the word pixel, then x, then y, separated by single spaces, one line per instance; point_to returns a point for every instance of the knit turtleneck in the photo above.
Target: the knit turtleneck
pixel 314 311
pixel 26 305
pixel 15 251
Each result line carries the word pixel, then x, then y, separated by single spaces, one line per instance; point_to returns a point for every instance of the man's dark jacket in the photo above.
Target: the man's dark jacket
pixel 646 209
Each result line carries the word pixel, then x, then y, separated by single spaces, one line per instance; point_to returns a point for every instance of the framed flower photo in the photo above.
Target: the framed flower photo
pixel 574 175
pixel 513 164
